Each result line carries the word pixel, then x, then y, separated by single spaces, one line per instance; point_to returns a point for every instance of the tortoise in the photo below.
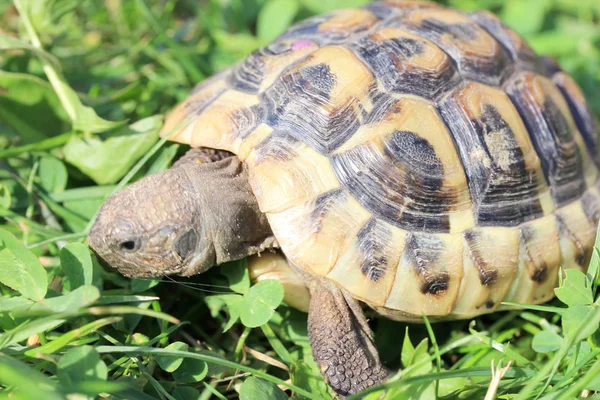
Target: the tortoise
pixel 405 155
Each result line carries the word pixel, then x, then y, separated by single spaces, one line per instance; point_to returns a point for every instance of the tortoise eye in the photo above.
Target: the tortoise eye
pixel 129 245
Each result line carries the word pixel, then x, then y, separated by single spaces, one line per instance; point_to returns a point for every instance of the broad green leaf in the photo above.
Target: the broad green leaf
pixel 143 284
pixel 162 159
pixel 449 386
pixel 233 302
pixel 408 350
pixel 275 17
pixel 86 208
pixel 81 297
pixel 579 322
pixel 576 289
pixel 24 96
pixel 237 275
pixel 53 174
pixel 419 364
pixel 83 118
pixel 20 269
pixel 168 363
pixel 260 302
pixel 86 120
pixel 259 389
pixel 76 262
pixel 186 393
pixel 14 303
pixel 81 364
pixel 107 160
pixel 191 370
pixel 546 341
pixel 420 359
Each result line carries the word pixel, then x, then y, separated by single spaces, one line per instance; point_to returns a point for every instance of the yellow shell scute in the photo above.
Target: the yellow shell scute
pixel 323 229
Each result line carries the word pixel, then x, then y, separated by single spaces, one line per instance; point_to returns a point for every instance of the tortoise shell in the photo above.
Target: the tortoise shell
pixel 424 159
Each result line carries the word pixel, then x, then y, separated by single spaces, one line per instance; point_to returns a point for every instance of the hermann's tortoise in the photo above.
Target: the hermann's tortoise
pixel 413 157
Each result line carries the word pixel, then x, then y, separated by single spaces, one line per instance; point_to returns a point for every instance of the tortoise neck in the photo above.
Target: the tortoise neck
pixel 228 215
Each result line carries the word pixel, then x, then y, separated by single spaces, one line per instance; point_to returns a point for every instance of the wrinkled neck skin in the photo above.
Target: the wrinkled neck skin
pixel 182 221
pixel 230 217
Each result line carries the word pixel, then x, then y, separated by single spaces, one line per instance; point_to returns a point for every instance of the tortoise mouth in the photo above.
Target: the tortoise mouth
pixel 198 262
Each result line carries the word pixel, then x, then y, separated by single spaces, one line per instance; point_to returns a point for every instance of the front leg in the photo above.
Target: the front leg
pixel 341 340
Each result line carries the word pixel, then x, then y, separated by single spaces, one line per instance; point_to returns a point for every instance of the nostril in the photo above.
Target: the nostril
pixel 129 245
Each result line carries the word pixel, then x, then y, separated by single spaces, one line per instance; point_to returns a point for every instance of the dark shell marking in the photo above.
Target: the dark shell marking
pixel 300 103
pixel 477 54
pixel 487 274
pixel 552 136
pixel 504 190
pixel 402 184
pixel 373 240
pixel 406 64
pixel 580 111
pixel 423 252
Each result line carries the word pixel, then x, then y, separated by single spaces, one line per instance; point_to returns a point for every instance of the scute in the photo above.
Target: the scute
pixel 505 178
pixel 424 159
pixel 478 55
pixel 319 101
pixel 406 63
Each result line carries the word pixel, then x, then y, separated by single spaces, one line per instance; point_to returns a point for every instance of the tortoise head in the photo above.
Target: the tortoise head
pixel 153 228
pixel 181 221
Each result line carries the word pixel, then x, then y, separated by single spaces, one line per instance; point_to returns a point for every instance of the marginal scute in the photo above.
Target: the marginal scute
pixel 490 259
pixel 405 170
pixel 518 49
pixel 323 229
pixel 319 101
pixel 349 20
pixel 539 260
pixel 478 55
pixel 580 111
pixel 429 275
pixel 179 122
pixel 505 178
pixel 407 63
pixel 333 27
pixel 367 268
pixel 576 233
pixel 232 115
pixel 389 8
pixel 285 172
pixel 559 145
pixel 590 201
pixel 260 69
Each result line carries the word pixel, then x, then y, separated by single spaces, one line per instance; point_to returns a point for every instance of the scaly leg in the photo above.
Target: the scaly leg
pixel 341 340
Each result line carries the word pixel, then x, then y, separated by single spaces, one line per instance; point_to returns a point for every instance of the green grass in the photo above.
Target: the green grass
pixel 83 87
